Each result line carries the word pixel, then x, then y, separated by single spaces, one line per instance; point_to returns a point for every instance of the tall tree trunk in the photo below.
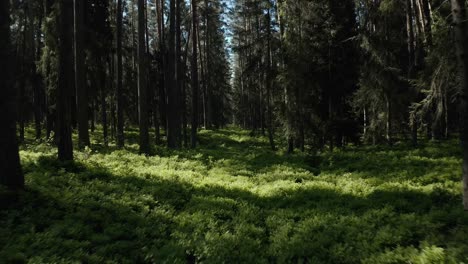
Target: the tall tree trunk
pixel 142 88
pixel 38 85
pixel 81 93
pixel 173 120
pixel 11 174
pixel 119 86
pixel 461 44
pixel 268 83
pixel 195 83
pixel 411 56
pixel 22 80
pixel 208 86
pixel 65 81
pixel 163 71
pixel 179 71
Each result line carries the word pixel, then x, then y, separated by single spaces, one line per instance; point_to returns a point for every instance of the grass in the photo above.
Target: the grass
pixel 235 201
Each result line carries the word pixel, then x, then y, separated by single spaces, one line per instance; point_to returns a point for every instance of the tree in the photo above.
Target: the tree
pixel 461 45
pixel 11 174
pixel 80 79
pixel 65 81
pixel 119 86
pixel 173 119
pixel 142 88
pixel 194 74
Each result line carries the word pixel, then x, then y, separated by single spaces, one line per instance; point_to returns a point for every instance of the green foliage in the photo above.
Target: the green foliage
pixel 234 201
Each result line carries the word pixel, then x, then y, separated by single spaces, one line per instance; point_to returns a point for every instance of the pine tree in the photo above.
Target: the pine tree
pixel 11 174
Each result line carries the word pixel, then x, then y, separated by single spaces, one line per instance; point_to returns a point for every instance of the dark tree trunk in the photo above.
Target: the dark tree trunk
pixel 11 174
pixel 461 44
pixel 37 83
pixel 22 81
pixel 195 83
pixel 208 84
pixel 173 120
pixel 268 84
pixel 411 57
pixel 65 81
pixel 142 88
pixel 163 71
pixel 102 85
pixel 119 86
pixel 80 85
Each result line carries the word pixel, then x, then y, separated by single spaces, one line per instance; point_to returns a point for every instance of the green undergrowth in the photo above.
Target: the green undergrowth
pixel 235 201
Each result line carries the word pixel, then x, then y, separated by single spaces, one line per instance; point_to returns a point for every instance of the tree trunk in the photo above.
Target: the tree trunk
pixel 173 120
pixel 22 81
pixel 142 88
pixel 119 86
pixel 36 78
pixel 65 81
pixel 11 174
pixel 195 83
pixel 102 79
pixel 461 44
pixel 268 84
pixel 179 73
pixel 163 71
pixel 411 56
pixel 388 134
pixel 81 93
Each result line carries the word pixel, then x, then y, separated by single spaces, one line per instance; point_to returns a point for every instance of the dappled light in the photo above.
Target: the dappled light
pixel 235 200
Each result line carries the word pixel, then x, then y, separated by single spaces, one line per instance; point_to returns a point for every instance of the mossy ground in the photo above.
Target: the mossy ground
pixel 235 201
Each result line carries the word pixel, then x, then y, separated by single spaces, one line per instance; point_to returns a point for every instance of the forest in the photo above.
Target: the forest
pixel 234 131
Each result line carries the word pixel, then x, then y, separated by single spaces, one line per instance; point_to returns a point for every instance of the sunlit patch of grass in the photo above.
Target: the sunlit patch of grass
pixel 234 200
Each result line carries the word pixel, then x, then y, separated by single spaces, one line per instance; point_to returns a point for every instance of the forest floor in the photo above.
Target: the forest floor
pixel 235 201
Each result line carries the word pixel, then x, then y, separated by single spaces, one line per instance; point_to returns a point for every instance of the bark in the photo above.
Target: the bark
pixel 179 73
pixel 11 174
pixel 37 82
pixel 388 134
pixel 461 45
pixel 142 88
pixel 208 86
pixel 22 81
pixel 163 71
pixel 173 121
pixel 65 81
pixel 268 84
pixel 411 56
pixel 119 86
pixel 102 84
pixel 81 93
pixel 195 83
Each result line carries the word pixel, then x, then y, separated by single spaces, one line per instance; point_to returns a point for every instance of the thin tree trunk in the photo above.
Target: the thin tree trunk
pixel 179 72
pixel 268 84
pixel 81 93
pixel 22 81
pixel 195 83
pixel 411 56
pixel 119 86
pixel 36 79
pixel 388 135
pixel 102 79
